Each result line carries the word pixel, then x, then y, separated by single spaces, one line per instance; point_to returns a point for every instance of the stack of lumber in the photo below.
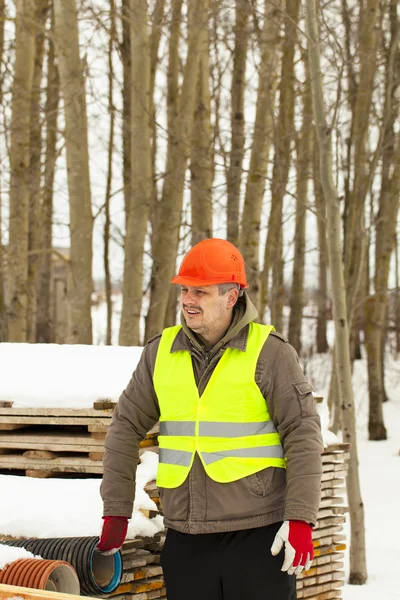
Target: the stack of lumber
pixel 142 574
pixel 326 576
pixel 48 441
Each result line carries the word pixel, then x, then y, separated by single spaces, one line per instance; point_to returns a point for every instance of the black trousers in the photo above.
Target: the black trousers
pixel 236 565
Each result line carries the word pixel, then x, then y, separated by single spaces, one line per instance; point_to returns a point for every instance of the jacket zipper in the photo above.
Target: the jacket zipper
pixel 208 365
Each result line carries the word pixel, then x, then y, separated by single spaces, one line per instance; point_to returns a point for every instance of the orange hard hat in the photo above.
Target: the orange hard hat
pixel 211 262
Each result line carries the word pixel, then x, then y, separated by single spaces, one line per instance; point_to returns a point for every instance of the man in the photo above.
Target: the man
pixel 240 443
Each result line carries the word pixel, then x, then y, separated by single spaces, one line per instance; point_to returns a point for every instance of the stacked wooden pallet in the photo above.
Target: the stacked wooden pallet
pixel 48 441
pixel 326 576
pixel 142 575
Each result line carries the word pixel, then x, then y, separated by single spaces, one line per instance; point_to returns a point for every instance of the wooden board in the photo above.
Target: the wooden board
pixel 60 465
pixel 55 412
pixel 52 420
pixel 62 441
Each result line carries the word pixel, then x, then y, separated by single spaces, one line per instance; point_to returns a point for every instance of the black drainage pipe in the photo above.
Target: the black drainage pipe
pixel 98 574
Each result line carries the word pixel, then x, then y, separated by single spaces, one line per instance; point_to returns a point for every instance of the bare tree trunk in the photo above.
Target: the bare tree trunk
pixel 238 87
pixel 17 255
pixel 354 246
pixel 322 291
pixel 201 167
pixel 107 222
pixel 129 333
pixel 42 10
pixel 166 243
pixel 44 325
pixel 126 101
pixel 262 138
pixel 304 155
pixel 3 320
pixel 154 41
pixel 358 568
pixel 376 307
pixel 397 296
pixel 80 285
pixel 283 137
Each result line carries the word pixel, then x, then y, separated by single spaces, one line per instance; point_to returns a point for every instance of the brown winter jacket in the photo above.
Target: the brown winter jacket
pixel 201 505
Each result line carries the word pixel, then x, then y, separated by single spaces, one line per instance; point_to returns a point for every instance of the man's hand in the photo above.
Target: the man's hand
pixel 113 534
pixel 299 549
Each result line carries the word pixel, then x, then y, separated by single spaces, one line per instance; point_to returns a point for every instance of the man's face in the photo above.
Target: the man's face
pixel 205 310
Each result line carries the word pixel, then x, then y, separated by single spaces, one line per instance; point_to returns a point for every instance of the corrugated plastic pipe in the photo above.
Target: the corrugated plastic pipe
pixel 51 575
pixel 98 574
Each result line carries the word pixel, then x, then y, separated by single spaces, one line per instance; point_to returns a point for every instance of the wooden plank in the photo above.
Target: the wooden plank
pixel 40 454
pixel 57 465
pixel 8 427
pixel 53 420
pixel 104 405
pixel 6 403
pixel 55 412
pixel 55 436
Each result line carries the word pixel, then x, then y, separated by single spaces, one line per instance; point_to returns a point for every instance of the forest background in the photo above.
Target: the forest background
pixel 130 130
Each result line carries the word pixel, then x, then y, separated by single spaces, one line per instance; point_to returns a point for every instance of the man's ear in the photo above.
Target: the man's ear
pixel 233 296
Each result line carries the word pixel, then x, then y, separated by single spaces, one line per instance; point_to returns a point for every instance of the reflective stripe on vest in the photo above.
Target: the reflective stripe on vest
pixel 228 425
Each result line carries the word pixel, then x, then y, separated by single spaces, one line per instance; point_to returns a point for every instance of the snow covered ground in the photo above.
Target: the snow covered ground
pixel 34 375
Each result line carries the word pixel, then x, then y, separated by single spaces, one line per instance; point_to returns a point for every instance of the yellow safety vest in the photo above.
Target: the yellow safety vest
pixel 228 425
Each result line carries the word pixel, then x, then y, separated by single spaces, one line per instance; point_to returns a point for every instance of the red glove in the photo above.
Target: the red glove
pixel 113 534
pixel 299 548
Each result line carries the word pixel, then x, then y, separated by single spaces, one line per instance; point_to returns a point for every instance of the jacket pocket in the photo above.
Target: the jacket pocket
pixel 305 398
pixel 262 481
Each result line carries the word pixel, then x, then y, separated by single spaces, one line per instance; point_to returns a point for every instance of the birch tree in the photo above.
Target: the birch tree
pixel 260 150
pixel 376 306
pixel 72 84
pixel 17 255
pixel 140 178
pixel 284 131
pixel 107 202
pixel 303 162
pixel 322 291
pixel 238 86
pixel 42 11
pixel 179 138
pixel 44 325
pixel 358 568
pixel 201 167
pixel 3 321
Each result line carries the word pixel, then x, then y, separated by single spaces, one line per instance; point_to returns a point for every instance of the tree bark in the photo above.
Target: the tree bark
pixel 107 221
pixel 238 87
pixel 3 320
pixel 322 291
pixel 166 242
pixel 358 568
pixel 260 150
pixel 129 333
pixel 35 223
pixel 376 307
pixel 17 255
pixel 284 131
pixel 80 285
pixel 304 155
pixel 44 324
pixel 201 167
pixel 126 102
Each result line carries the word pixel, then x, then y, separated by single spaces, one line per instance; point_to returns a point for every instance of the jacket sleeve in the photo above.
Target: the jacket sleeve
pixel 137 411
pixel 292 408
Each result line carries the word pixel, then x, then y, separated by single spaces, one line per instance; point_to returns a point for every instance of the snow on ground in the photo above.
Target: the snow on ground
pixel 75 376
pixel 379 468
